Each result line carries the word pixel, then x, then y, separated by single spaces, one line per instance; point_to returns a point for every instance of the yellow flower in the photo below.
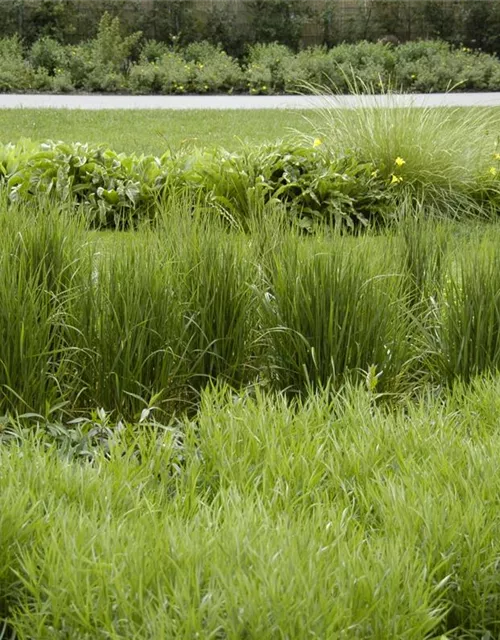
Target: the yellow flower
pixel 396 179
pixel 317 142
pixel 374 174
pixel 493 171
pixel 399 161
pixel 496 156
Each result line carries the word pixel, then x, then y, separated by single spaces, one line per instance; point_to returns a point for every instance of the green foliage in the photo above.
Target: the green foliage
pixel 222 25
pixel 174 21
pixel 365 166
pixel 79 64
pixel 112 62
pixel 152 50
pixel 114 189
pixel 14 70
pixel 48 54
pixel 468 339
pixel 256 509
pixel 267 65
pixel 54 19
pixel 278 20
pixel 109 188
pixel 109 320
pixel 473 23
pixel 110 48
pixel 41 263
pixel 329 316
pixel 440 156
pixel 480 26
pixel 213 70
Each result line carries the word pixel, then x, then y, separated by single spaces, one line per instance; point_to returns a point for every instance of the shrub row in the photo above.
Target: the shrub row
pixel 114 63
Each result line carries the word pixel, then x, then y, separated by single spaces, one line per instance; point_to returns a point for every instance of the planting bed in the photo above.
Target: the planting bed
pixel 266 409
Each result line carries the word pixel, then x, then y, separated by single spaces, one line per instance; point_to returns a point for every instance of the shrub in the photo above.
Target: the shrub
pixel 62 82
pixel 152 51
pixel 48 54
pixel 15 72
pixel 435 66
pixel 311 65
pixel 110 48
pixel 267 64
pixel 212 69
pixel 79 64
pixel 41 80
pixel 174 73
pixel 144 78
pixel 259 79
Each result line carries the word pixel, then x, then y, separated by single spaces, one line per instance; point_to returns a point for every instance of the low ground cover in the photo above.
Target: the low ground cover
pixel 257 518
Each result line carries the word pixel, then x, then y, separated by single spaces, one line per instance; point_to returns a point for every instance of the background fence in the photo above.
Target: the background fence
pixel 234 23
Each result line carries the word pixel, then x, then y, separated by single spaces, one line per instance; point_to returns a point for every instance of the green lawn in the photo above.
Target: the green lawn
pixel 156 130
pixel 151 131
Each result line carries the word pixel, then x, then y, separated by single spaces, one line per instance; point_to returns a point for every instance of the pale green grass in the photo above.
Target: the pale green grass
pixel 437 146
pixel 259 519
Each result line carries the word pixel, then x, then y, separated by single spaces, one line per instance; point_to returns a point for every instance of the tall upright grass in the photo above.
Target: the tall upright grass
pixel 334 311
pixel 42 261
pixel 469 334
pixel 124 321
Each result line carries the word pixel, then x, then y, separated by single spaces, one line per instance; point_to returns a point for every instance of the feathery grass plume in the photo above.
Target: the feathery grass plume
pixel 432 153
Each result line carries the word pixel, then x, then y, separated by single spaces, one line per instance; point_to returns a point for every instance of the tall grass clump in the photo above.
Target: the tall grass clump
pixel 216 277
pixel 169 311
pixel 467 340
pixel 43 258
pixel 434 153
pixel 129 328
pixel 334 311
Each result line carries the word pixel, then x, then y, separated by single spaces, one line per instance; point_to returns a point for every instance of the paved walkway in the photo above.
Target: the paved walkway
pixel 31 101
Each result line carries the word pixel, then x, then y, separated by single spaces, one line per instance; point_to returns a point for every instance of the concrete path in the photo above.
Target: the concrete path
pixel 32 101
